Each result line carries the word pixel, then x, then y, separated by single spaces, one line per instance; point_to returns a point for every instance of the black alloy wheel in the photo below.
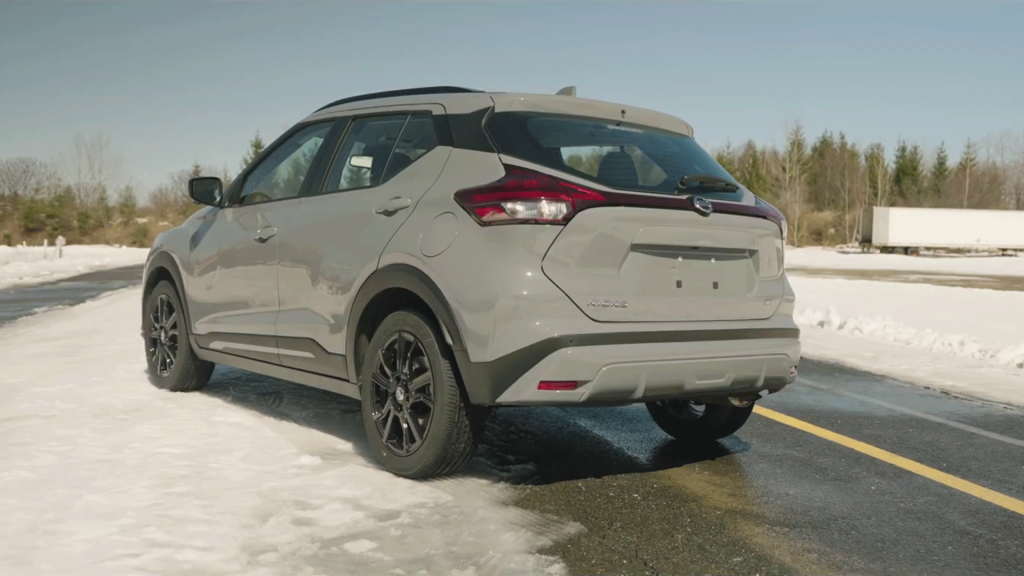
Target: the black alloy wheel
pixel 403 394
pixel 163 335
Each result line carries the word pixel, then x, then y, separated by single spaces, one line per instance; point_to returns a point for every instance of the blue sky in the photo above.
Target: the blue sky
pixel 173 82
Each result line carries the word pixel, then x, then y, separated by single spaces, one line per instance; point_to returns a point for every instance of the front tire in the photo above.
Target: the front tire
pixel 693 421
pixel 418 421
pixel 172 363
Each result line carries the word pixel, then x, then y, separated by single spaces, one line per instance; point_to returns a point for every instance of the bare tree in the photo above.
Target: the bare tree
pixel 968 164
pixel 25 177
pixel 790 172
pixel 91 166
pixel 851 186
pixel 878 173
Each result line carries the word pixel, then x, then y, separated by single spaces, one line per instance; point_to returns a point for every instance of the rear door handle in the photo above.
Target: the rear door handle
pixel 393 205
pixel 264 234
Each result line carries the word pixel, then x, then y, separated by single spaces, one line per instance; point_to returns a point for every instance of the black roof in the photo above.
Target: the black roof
pixel 403 92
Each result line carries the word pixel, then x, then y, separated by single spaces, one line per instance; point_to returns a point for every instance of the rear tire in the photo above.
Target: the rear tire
pixel 417 418
pixel 685 420
pixel 172 363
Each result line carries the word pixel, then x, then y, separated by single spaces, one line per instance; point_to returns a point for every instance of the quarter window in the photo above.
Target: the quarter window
pixel 379 147
pixel 418 137
pixel 364 154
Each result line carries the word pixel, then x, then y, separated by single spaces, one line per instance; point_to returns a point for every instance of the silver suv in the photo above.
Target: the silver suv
pixel 436 252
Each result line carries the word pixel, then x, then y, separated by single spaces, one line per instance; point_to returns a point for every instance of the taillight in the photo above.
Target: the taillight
pixel 526 197
pixel 777 216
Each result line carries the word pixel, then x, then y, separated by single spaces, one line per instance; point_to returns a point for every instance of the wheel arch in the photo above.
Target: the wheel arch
pixel 163 266
pixel 395 286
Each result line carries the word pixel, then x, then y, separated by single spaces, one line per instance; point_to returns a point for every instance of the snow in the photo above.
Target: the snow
pixel 34 264
pixel 103 473
pixel 969 341
pixel 854 259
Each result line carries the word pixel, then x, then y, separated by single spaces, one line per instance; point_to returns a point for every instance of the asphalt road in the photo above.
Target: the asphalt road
pixel 842 472
pixel 22 301
pixel 774 499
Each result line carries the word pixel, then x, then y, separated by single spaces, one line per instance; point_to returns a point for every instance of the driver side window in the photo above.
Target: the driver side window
pixel 280 175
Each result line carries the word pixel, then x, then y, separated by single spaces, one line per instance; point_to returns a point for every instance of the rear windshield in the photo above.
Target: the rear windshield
pixel 617 155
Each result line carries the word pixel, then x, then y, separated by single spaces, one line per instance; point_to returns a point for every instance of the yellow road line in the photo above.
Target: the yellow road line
pixel 991 496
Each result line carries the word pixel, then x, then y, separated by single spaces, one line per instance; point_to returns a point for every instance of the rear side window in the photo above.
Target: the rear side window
pixel 418 137
pixel 617 155
pixel 377 148
pixel 364 153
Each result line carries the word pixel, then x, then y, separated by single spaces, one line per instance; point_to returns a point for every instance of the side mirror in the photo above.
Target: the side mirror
pixel 361 161
pixel 206 190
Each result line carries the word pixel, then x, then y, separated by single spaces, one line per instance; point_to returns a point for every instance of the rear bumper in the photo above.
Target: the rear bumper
pixel 623 368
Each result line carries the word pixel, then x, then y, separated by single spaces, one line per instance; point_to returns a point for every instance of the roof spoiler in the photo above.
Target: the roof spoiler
pixel 567 91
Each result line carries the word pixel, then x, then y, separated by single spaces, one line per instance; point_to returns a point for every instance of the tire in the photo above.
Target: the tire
pixel 419 398
pixel 698 422
pixel 171 362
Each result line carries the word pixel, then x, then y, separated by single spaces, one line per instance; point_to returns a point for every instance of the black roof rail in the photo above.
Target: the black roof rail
pixel 403 92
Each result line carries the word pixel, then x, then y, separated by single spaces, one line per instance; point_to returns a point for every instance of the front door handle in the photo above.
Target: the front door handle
pixel 264 234
pixel 393 205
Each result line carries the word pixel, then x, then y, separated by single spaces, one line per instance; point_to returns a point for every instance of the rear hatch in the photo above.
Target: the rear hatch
pixel 643 253
pixel 622 264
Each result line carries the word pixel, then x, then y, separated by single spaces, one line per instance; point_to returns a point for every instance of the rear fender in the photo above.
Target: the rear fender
pixel 415 281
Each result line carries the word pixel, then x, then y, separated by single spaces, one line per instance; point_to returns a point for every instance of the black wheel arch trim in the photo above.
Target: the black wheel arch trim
pixel 409 278
pixel 166 261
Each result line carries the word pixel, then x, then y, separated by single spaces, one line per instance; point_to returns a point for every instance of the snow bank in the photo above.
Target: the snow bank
pixel 854 259
pixel 33 264
pixel 964 339
pixel 102 473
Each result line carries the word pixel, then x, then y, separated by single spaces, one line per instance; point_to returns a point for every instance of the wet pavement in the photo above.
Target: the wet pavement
pixel 771 499
pixel 23 301
pixel 1009 283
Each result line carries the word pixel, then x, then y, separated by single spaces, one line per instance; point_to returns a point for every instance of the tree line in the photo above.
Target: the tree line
pixel 822 185
pixel 77 196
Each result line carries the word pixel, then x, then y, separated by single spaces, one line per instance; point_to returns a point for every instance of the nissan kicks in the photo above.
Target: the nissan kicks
pixel 435 252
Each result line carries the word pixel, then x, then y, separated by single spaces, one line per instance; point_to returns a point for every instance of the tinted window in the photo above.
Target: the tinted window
pixel 280 175
pixel 418 137
pixel 626 156
pixel 363 155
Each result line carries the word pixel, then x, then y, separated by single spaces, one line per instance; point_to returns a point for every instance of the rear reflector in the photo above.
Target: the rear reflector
pixel 558 385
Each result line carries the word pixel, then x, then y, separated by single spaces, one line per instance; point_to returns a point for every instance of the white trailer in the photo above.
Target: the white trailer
pixel 908 230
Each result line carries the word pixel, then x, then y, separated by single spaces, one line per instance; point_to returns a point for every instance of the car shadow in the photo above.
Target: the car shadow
pixel 520 446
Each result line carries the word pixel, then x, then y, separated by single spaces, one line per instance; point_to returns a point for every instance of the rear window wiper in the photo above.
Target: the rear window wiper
pixel 705 182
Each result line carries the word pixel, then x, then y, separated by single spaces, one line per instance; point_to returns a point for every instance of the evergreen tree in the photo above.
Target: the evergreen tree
pixel 726 157
pixel 255 148
pixel 753 173
pixel 127 204
pixel 940 173
pixel 823 171
pixel 908 172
